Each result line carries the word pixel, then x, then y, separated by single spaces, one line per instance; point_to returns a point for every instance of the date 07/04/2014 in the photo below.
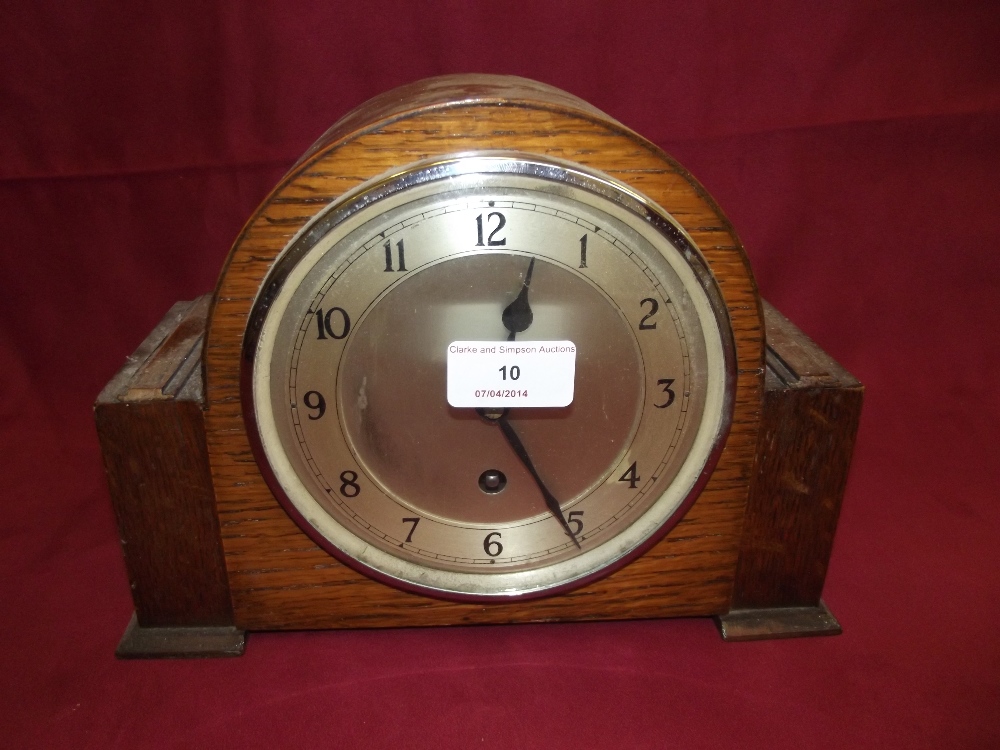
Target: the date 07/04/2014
pixel 501 393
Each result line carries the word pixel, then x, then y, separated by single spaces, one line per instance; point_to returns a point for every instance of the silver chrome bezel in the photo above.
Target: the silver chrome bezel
pixel 639 536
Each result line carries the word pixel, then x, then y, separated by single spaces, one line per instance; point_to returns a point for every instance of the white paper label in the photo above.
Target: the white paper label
pixel 511 373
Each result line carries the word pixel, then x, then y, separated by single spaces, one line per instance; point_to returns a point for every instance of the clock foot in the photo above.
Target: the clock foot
pixel 179 642
pixel 778 622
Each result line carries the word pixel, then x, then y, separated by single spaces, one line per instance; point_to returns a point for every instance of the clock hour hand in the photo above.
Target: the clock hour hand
pixel 517 316
pixel 518 447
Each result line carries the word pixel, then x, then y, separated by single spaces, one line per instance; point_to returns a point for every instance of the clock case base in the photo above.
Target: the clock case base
pixel 179 642
pixel 777 622
pixel 150 421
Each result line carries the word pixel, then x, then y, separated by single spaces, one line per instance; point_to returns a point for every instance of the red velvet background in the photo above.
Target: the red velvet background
pixel 856 148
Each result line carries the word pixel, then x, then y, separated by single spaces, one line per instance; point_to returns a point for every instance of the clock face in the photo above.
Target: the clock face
pixel 488 281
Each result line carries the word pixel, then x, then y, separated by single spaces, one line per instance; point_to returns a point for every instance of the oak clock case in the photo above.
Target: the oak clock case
pixel 345 376
pixel 281 454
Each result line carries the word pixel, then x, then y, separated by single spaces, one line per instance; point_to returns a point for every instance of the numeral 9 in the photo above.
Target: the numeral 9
pixel 314 400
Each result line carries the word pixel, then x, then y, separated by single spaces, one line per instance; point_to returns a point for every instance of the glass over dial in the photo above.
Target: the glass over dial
pixel 347 370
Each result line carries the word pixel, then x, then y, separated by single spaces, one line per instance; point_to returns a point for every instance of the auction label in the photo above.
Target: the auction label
pixel 511 373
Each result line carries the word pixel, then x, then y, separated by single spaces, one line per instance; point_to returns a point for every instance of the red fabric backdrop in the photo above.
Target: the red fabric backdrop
pixel 855 146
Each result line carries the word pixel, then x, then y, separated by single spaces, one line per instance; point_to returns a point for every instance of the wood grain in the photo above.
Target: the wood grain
pixel 812 407
pixel 278 578
pixel 157 467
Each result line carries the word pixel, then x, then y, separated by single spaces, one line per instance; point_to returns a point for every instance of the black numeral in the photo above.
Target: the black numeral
pixel 653 307
pixel 492 240
pixel 388 256
pixel 583 251
pixel 323 323
pixel 575 521
pixel 413 528
pixel 666 383
pixel 515 372
pixel 349 486
pixel 631 476
pixel 314 400
pixel 491 546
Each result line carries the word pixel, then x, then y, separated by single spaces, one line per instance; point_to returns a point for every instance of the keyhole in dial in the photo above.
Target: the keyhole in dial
pixel 492 481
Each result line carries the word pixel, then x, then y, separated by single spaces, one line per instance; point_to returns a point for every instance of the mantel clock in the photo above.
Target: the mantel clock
pixel 484 355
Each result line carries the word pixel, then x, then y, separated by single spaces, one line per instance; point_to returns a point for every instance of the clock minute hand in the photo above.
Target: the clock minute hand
pixel 550 501
pixel 517 316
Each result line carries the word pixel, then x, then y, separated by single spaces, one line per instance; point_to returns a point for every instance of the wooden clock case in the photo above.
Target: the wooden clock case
pixel 210 552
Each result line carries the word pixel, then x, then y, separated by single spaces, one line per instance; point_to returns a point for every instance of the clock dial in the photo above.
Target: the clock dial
pixel 346 363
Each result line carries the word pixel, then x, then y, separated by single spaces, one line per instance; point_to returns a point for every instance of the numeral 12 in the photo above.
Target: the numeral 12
pixel 492 240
